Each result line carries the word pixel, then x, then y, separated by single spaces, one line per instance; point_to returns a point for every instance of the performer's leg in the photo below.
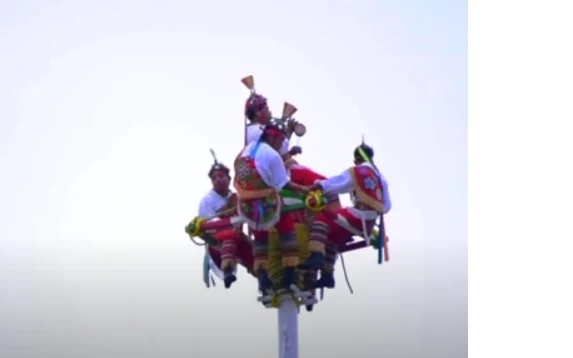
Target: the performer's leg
pixel 229 256
pixel 289 249
pixel 245 253
pixel 324 229
pixel 260 255
pixel 319 231
pixel 215 254
pixel 310 284
pixel 337 237
pixel 306 176
pixel 303 175
pixel 327 273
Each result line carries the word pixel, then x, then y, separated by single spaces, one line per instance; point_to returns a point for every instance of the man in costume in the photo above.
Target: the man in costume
pixel 220 202
pixel 259 114
pixel 329 230
pixel 260 174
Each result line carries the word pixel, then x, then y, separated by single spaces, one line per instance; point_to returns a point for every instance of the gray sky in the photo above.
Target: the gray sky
pixel 107 115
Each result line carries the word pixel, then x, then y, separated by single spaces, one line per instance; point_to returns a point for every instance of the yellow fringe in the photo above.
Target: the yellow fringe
pixel 275 267
pixel 316 246
pixel 290 261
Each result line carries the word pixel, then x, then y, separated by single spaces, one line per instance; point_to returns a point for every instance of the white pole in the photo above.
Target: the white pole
pixel 288 327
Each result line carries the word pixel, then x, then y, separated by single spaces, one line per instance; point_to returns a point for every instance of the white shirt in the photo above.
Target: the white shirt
pixel 208 207
pixel 211 203
pixel 342 184
pixel 255 131
pixel 270 164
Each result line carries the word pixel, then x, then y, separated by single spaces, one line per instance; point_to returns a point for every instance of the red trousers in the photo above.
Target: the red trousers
pixel 233 245
pixel 338 234
pixel 304 176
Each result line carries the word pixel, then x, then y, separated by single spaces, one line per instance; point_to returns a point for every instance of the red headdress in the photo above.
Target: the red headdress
pixel 255 101
pixel 276 127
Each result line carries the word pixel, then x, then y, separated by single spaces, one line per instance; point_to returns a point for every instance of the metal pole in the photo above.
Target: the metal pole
pixel 288 327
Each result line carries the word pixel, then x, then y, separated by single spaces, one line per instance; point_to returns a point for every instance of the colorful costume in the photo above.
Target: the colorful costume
pixel 254 130
pixel 259 176
pixel 234 247
pixel 299 174
pixel 329 230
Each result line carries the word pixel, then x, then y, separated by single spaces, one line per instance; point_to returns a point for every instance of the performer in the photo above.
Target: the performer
pixel 258 114
pixel 329 230
pixel 220 202
pixel 259 176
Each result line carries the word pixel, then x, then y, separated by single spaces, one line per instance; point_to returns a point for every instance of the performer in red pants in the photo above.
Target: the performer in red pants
pixel 329 230
pixel 233 246
pixel 258 115
pixel 260 174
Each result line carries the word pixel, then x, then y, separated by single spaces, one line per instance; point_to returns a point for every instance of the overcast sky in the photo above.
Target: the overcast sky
pixel 107 113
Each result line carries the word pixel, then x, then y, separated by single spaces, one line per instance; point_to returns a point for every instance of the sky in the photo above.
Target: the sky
pixel 107 113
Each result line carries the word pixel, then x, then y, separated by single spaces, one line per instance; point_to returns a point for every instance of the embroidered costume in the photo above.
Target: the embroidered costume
pixel 329 230
pixel 260 174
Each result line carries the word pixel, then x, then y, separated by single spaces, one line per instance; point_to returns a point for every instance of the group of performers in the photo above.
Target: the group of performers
pixel 262 169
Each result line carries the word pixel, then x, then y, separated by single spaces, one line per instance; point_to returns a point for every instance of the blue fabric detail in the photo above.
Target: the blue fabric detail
pixel 381 237
pixel 261 210
pixel 252 154
pixel 255 149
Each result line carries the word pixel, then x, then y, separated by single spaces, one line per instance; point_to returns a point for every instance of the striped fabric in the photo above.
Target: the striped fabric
pixel 330 257
pixel 319 232
pixel 289 248
pixel 260 253
pixel 228 254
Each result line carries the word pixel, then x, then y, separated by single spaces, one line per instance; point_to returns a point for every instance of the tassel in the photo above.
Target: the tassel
pixel 206 268
pixel 381 240
pixel 386 252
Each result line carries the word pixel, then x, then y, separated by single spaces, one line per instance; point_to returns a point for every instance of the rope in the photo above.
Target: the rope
pixel 198 243
pixel 346 274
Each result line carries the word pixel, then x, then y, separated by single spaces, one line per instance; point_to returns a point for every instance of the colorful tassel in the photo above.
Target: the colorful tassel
pixel 381 240
pixel 206 268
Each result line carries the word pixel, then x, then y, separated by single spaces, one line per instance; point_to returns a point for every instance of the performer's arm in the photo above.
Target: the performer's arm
pixel 339 184
pixel 280 176
pixel 205 207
